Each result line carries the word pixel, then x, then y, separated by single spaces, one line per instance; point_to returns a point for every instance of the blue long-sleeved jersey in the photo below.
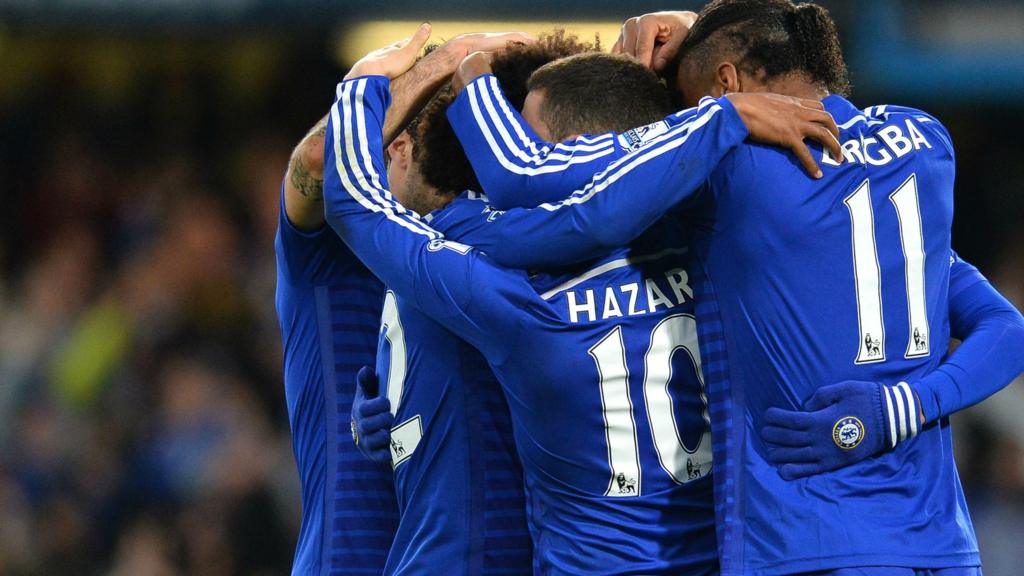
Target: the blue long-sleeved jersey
pixel 457 475
pixel 599 363
pixel 328 306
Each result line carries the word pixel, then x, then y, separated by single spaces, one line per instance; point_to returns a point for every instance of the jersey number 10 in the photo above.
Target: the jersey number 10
pixel 683 463
pixel 867 272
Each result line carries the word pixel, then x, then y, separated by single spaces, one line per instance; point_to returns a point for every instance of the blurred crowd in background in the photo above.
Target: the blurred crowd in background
pixel 143 428
pixel 142 419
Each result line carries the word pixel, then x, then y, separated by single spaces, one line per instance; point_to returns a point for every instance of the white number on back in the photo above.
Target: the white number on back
pixel 675 334
pixel 391 326
pixel 405 437
pixel 867 273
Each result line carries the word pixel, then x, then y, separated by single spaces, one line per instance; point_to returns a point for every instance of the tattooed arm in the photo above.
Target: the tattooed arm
pixel 304 182
pixel 410 92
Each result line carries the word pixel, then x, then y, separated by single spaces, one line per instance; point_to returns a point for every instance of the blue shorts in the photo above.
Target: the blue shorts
pixel 893 571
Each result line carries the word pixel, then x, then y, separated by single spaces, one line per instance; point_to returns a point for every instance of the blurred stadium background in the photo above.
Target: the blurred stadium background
pixel 142 419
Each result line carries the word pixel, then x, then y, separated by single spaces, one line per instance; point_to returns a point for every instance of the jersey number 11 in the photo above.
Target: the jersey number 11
pixel 871 347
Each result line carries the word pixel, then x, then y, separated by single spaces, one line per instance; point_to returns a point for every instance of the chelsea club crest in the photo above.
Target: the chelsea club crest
pixel 848 432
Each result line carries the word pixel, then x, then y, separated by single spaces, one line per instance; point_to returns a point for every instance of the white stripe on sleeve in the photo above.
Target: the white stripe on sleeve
pixel 356 184
pixel 912 411
pixel 587 144
pixel 660 145
pixel 544 161
pixel 891 415
pixel 901 414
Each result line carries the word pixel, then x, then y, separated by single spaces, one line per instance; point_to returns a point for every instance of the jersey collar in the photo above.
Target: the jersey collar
pixel 437 217
pixel 841 109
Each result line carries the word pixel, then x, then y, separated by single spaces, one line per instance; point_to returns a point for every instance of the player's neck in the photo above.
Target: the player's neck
pixel 796 87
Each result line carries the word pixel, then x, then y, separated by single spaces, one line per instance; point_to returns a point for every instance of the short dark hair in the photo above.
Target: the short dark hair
pixel 770 38
pixel 437 151
pixel 596 93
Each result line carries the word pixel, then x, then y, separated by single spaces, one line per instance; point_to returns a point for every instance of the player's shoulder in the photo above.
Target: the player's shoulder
pixel 884 112
pixel 317 257
pixel 911 121
pixel 468 200
pixel 642 136
pixel 466 207
pixel 880 134
pixel 638 284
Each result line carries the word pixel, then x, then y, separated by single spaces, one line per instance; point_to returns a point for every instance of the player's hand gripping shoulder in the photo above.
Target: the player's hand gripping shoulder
pixel 841 424
pixel 787 121
pixel 654 40
pixel 371 418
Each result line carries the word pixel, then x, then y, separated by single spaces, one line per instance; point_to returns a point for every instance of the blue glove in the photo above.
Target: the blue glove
pixel 371 418
pixel 841 424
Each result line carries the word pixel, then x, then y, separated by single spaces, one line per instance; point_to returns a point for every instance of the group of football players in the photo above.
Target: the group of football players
pixel 536 320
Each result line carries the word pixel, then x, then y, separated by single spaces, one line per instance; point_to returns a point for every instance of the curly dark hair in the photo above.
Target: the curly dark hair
pixel 437 150
pixel 770 38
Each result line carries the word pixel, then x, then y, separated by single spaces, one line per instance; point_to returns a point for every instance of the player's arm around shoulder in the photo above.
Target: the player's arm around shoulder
pixel 445 279
pixel 516 166
pixel 410 90
pixel 617 204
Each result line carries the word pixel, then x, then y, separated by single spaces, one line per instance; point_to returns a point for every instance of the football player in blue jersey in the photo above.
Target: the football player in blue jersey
pixel 615 484
pixel 457 476
pixel 798 285
pixel 329 309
